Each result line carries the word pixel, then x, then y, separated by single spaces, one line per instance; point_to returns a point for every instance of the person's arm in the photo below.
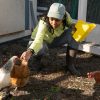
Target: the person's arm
pixel 38 41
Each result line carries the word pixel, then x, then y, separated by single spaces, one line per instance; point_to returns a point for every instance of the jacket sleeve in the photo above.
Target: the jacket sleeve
pixel 38 41
pixel 69 19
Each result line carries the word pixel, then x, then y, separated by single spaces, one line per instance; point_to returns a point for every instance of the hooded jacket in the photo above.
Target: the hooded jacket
pixel 41 33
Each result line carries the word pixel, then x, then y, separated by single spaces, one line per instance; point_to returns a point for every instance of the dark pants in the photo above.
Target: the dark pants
pixel 65 38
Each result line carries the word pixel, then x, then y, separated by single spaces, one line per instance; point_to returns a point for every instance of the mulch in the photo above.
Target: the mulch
pixel 53 83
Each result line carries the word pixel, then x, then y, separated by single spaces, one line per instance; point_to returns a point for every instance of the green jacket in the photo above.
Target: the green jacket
pixel 41 33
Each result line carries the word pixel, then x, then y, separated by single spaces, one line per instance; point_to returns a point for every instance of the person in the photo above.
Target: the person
pixel 52 31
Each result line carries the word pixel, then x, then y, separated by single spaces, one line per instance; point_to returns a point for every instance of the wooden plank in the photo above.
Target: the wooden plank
pixel 42 8
pixel 9 37
pixel 90 48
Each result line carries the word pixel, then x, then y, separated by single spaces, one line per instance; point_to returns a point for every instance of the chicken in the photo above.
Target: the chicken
pixel 5 71
pixel 14 73
pixel 95 75
pixel 20 73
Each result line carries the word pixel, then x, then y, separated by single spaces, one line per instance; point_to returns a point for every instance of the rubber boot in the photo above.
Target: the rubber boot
pixel 70 61
pixel 34 63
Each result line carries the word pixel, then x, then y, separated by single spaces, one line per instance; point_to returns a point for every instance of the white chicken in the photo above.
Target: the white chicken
pixel 5 72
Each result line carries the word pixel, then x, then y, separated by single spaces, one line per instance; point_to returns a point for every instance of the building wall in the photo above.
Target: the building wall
pixel 12 16
pixel 71 6
pixel 93 16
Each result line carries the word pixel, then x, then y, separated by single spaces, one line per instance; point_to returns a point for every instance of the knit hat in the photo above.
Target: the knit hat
pixel 57 10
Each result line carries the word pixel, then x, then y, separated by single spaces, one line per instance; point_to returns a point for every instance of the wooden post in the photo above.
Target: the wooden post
pixel 82 9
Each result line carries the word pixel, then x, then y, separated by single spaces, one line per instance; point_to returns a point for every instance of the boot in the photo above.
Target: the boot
pixel 70 61
pixel 34 63
pixel 73 70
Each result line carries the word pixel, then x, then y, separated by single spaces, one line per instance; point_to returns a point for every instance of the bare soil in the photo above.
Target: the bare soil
pixel 53 83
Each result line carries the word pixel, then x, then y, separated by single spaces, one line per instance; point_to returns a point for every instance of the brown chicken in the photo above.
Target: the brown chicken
pixel 20 73
pixel 95 75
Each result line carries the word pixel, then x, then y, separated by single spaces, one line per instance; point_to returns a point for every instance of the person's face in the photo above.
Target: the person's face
pixel 54 22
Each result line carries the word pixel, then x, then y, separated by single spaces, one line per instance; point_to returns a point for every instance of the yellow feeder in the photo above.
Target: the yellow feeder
pixel 82 30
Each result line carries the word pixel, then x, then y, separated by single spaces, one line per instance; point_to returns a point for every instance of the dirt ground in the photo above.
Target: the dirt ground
pixel 53 83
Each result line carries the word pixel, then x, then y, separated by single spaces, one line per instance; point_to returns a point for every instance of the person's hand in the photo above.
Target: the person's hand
pixel 26 55
pixel 73 27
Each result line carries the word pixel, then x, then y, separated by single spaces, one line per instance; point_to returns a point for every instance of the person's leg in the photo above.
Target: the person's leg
pixel 66 37
pixel 70 61
pixel 60 41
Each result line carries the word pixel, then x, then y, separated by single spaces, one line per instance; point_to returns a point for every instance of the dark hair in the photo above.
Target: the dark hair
pixel 65 21
pixel 46 19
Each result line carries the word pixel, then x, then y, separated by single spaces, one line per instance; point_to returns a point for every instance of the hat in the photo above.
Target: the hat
pixel 57 10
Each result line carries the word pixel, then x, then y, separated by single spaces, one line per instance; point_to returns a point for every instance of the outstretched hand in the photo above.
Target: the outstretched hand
pixel 26 55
